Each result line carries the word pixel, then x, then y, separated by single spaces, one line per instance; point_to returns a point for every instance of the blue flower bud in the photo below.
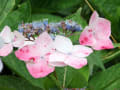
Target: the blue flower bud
pixel 45 22
pixel 21 30
pixel 77 28
pixel 37 25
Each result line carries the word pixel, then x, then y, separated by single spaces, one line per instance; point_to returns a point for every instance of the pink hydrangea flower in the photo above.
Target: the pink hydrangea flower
pixel 68 54
pixel 11 39
pixel 36 56
pixel 97 34
pixel 7 37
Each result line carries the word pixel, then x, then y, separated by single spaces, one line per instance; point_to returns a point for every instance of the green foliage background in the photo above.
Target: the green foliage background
pixel 103 69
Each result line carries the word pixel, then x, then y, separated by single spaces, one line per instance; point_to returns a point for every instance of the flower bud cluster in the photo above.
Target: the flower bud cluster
pixel 35 28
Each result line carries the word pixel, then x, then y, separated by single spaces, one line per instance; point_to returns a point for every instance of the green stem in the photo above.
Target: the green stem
pixel 64 79
pixel 56 82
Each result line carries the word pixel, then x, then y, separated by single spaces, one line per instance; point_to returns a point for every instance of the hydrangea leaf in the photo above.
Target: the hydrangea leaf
pixel 78 19
pixel 95 59
pixel 106 80
pixel 15 83
pixel 5 7
pixel 73 76
pixel 22 14
pixel 51 18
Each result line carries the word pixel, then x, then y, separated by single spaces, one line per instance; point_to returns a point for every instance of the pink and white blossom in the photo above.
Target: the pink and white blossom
pixel 97 34
pixel 68 54
pixel 36 56
pixel 11 39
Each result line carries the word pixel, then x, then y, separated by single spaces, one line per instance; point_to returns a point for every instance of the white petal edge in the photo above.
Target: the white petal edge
pixel 63 44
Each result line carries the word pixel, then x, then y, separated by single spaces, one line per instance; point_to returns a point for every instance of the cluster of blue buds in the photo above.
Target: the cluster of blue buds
pixel 35 28
pixel 72 26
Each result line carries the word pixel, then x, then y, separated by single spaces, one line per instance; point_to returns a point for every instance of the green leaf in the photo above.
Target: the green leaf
pixel 75 78
pixel 15 83
pixel 19 67
pixel 53 6
pixel 5 7
pixel 78 19
pixel 95 59
pixel 51 18
pixel 22 14
pixel 116 45
pixel 106 80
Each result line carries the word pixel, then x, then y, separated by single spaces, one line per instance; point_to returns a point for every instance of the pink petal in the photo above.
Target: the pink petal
pixel 95 34
pixel 6 49
pixel 103 44
pixel 28 52
pixel 18 40
pixel 93 17
pixel 102 28
pixel 81 51
pixel 44 40
pixel 7 35
pixel 63 44
pixel 75 62
pixel 87 37
pixel 39 69
pixel 57 59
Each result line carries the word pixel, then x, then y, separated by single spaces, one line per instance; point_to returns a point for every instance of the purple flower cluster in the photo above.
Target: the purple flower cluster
pixel 35 28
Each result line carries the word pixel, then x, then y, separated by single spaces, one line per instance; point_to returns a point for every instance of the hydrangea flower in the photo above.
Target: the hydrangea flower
pixel 68 54
pixel 7 37
pixel 1 65
pixel 97 34
pixel 36 56
pixel 9 40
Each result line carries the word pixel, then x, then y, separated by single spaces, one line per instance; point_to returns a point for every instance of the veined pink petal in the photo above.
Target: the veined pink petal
pixel 44 40
pixel 63 44
pixel 39 69
pixel 19 39
pixel 7 35
pixel 57 59
pixel 75 62
pixel 6 49
pixel 28 52
pixel 103 44
pixel 97 34
pixel 42 46
pixel 93 17
pixel 102 28
pixel 81 51
pixel 87 37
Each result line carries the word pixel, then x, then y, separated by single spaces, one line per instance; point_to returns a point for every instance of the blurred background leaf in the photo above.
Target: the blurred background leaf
pixel 63 7
pixel 22 14
pixel 5 7
pixel 106 80
pixel 75 78
pixel 15 83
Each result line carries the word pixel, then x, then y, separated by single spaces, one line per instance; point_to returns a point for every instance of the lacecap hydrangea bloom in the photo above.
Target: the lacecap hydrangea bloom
pixel 97 34
pixel 43 46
